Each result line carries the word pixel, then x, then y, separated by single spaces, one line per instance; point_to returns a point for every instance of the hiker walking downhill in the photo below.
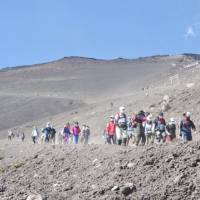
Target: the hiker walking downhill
pixel 171 130
pixel 186 127
pixel 67 133
pixel 110 131
pixel 121 127
pixel 10 135
pixel 104 135
pixel 85 134
pixel 35 134
pixel 46 132
pixel 139 128
pixel 130 130
pixel 159 128
pixel 148 129
pixel 76 132
pixel 52 135
pixel 61 137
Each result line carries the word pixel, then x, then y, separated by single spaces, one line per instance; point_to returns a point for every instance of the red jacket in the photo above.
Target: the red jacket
pixel 111 128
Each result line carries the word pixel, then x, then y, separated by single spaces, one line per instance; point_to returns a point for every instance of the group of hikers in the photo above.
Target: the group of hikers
pixel 142 129
pixel 69 134
pixel 18 135
pixel 139 129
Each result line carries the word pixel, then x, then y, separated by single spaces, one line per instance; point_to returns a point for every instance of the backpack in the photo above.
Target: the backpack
pixel 53 132
pixel 187 125
pixel 122 121
pixel 148 127
pixel 171 128
pixel 139 118
pixel 66 131
pixel 160 125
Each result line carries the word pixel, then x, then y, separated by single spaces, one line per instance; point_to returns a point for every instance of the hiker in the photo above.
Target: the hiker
pixel 10 135
pixel 46 132
pixel 61 137
pixel 105 136
pixel 52 135
pixel 186 127
pixel 43 136
pixel 67 133
pixel 22 136
pixel 139 128
pixel 121 127
pixel 159 128
pixel 110 130
pixel 171 130
pixel 35 134
pixel 85 134
pixel 130 129
pixel 148 129
pixel 76 132
pixel 133 117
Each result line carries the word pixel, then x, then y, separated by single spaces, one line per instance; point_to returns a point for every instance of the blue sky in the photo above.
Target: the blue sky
pixel 35 31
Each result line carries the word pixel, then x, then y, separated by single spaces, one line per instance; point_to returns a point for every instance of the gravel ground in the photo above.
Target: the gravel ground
pixel 168 171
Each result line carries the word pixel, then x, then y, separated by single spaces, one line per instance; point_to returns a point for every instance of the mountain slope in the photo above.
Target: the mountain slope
pixel 38 93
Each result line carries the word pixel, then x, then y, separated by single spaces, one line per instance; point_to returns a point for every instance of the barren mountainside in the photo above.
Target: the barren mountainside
pixel 90 90
pixel 83 88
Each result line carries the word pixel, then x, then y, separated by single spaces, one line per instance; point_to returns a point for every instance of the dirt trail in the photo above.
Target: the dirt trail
pixel 100 171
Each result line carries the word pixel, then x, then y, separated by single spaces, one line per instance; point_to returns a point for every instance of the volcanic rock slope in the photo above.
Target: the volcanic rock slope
pixel 100 172
pixel 89 90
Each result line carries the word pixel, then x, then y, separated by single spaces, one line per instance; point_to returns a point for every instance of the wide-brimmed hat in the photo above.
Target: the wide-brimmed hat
pixel 172 119
pixel 188 114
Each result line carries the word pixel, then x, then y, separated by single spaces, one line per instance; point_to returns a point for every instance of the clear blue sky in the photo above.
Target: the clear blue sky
pixel 35 31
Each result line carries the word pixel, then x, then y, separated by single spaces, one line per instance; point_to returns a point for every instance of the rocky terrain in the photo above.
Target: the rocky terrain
pixel 90 90
pixel 100 172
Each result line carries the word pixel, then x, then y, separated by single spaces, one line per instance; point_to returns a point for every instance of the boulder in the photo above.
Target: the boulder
pixel 34 197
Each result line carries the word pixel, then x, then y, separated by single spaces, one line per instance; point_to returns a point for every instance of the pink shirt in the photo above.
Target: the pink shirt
pixel 76 130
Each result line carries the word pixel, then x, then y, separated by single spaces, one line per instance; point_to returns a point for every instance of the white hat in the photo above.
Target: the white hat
pixel 112 117
pixel 122 108
pixel 48 124
pixel 149 118
pixel 188 114
pixel 172 119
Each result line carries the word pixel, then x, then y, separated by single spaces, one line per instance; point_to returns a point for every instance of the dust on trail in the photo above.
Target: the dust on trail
pixel 168 171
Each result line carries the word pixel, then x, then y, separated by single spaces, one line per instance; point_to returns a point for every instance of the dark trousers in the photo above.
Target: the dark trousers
pixel 34 139
pixel 111 139
pixel 124 141
pixel 140 137
pixel 119 142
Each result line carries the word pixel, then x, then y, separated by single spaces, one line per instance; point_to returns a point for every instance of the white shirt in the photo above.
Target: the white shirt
pixel 34 133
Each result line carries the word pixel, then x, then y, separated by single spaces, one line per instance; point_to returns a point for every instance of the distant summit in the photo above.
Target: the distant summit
pixel 89 59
